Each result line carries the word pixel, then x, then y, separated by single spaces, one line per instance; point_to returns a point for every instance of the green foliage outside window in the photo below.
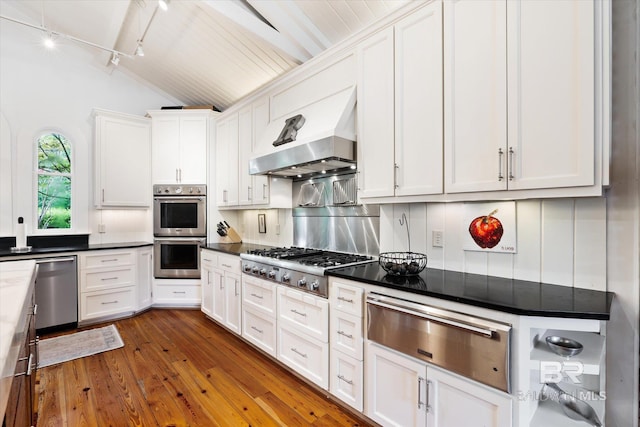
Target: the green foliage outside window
pixel 54 182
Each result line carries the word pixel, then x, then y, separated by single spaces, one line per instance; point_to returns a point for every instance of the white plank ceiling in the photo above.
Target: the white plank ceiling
pixel 205 52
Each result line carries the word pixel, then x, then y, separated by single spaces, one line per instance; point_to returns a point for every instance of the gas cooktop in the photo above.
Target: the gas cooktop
pixel 303 268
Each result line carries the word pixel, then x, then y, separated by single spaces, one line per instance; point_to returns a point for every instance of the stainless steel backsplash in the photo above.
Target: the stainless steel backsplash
pixel 353 229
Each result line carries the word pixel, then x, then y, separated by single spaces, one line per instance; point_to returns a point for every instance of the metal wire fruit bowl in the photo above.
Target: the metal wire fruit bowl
pixel 402 263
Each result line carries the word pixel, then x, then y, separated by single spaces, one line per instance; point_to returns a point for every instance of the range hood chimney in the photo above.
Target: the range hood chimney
pixel 323 140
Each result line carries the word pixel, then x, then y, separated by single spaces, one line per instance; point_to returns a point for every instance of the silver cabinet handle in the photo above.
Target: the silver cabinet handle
pixel 341 377
pixel 109 302
pixel 511 154
pixel 299 353
pixel 224 196
pixel 350 301
pixel 109 278
pixel 179 292
pixel 298 313
pixel 395 175
pixel 428 408
pixel 257 296
pixel 103 195
pixel 257 330
pixel 177 179
pixel 248 192
pixel 109 260
pixel 344 334
pixel 264 191
pixel 29 366
pixel 358 186
pixel 235 287
pixel 208 277
pixel 500 154
pixel 226 266
pixel 420 402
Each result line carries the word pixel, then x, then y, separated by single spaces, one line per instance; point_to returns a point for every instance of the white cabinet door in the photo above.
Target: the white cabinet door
pixel 454 401
pixel 227 162
pixel 207 261
pixel 165 132
pixel 145 278
pixel 194 134
pixel 123 165
pixel 418 102
pixel 245 143
pixel 6 177
pixel 233 302
pixel 475 95
pixel 346 379
pixel 218 295
pixel 261 116
pixel 395 388
pixel 375 115
pixel 551 93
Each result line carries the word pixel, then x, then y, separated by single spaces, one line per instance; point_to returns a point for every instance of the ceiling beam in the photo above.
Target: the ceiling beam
pixel 289 19
pixel 234 11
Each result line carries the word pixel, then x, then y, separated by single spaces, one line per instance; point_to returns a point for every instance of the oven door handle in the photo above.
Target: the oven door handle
pixel 172 199
pixel 450 322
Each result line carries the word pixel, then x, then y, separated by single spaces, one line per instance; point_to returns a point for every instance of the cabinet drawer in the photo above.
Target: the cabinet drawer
pixel 346 334
pixel 229 263
pixel 177 294
pixel 107 303
pixel 107 278
pixel 208 259
pixel 347 379
pixel 259 329
pixel 303 312
pixel 346 298
pixel 107 259
pixel 259 294
pixel 307 356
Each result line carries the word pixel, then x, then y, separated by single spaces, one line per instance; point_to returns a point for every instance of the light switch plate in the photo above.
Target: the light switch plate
pixel 437 238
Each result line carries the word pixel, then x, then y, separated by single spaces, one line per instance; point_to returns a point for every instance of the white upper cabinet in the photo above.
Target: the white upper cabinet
pixel 475 76
pixel 521 95
pixel 252 121
pixel 227 161
pixel 122 160
pixel 400 107
pixel 180 141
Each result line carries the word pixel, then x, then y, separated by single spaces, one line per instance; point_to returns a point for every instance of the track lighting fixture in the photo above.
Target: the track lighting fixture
pixel 48 41
pixel 115 58
pixel 139 51
pixel 164 4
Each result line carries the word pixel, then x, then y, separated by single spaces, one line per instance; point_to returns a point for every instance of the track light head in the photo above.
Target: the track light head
pixel 115 59
pixel 163 4
pixel 48 41
pixel 139 51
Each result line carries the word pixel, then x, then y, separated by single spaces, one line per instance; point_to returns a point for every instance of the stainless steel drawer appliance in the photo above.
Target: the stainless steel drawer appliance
pixel 57 293
pixel 470 346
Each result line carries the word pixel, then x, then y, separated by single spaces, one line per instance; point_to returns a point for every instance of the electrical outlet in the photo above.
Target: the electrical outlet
pixel 102 228
pixel 437 238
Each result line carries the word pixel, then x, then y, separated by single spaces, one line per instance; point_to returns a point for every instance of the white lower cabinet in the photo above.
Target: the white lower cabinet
pixel 107 284
pixel 259 313
pixel 207 262
pixel 303 334
pixel 402 391
pixel 346 340
pixel 177 294
pixel 145 277
pixel 226 291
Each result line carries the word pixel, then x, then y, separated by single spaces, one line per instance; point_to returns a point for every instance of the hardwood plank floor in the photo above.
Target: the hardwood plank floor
pixel 178 368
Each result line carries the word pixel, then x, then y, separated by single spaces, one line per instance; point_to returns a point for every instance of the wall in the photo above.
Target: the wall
pixel 43 89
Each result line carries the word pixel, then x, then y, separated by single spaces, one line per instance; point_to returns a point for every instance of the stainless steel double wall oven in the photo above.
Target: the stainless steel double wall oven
pixel 179 229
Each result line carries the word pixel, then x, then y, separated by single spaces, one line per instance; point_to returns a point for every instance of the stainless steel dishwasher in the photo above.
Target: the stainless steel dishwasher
pixel 57 292
pixel 470 346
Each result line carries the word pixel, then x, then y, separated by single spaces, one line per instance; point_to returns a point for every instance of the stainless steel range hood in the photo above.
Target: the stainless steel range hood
pixel 325 143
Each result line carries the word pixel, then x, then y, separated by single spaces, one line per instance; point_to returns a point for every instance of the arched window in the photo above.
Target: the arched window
pixel 54 181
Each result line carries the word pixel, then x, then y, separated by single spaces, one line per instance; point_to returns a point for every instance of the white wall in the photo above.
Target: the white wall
pixel 41 90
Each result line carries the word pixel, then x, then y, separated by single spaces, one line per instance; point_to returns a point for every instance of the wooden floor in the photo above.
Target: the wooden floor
pixel 177 368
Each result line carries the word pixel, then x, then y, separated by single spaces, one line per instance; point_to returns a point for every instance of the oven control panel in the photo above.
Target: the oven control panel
pixel 179 190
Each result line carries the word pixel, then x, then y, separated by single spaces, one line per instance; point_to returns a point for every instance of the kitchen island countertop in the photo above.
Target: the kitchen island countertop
pixel 16 282
pixel 507 295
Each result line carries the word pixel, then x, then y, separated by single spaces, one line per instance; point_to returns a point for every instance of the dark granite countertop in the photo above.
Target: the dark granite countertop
pixel 508 295
pixel 72 248
pixel 234 248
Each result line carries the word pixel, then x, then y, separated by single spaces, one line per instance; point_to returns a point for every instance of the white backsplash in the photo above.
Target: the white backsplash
pixel 560 241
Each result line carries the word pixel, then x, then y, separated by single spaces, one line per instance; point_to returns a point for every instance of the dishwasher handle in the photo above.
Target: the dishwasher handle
pixel 446 321
pixel 49 260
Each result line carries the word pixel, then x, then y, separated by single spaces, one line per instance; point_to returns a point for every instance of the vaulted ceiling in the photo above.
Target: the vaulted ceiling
pixel 205 52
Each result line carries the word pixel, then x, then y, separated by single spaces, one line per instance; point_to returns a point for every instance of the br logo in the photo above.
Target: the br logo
pixel 290 130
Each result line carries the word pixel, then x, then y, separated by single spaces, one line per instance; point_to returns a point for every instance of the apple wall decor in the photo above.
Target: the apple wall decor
pixel 490 227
